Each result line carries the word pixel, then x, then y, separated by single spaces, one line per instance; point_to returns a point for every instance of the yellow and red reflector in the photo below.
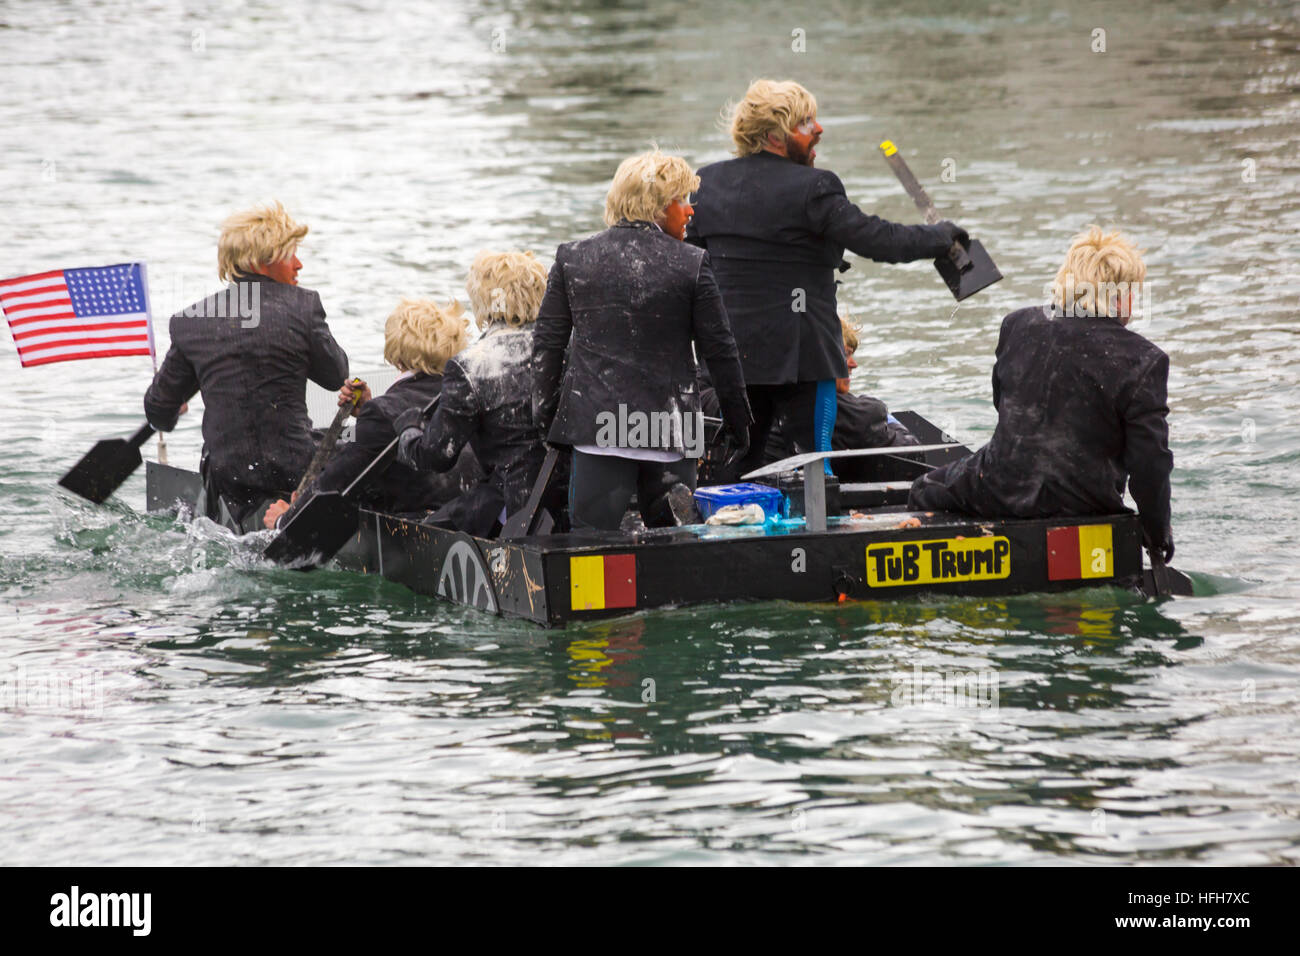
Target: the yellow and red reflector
pixel 601 581
pixel 1080 551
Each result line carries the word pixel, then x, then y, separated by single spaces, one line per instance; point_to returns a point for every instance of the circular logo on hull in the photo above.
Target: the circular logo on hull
pixel 464 579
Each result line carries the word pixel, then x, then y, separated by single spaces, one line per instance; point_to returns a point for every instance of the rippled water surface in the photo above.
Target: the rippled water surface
pixel 169 700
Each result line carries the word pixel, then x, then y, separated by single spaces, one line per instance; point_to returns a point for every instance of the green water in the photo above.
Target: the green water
pixel 164 698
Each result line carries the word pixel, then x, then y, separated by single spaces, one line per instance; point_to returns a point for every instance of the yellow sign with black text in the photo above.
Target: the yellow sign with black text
pixel 898 563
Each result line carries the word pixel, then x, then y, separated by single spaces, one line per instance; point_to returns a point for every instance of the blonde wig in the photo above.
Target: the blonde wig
pixel 850 335
pixel 256 237
pixel 1098 271
pixel 769 106
pixel 505 286
pixel 645 184
pixel 421 335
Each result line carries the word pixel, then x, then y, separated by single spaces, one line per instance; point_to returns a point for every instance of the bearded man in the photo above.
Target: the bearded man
pixel 776 228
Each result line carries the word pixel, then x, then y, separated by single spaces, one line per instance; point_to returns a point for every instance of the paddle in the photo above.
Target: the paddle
pixel 966 271
pixel 1160 584
pixel 330 440
pixel 315 532
pixel 524 521
pixel 102 470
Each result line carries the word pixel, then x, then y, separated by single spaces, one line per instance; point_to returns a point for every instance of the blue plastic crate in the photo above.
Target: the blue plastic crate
pixel 712 497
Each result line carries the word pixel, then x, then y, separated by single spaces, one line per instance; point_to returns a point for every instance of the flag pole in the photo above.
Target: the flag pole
pixel 162 445
pixel 153 352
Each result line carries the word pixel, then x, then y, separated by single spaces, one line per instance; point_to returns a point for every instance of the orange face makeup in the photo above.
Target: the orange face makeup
pixel 286 270
pixel 675 218
pixel 801 142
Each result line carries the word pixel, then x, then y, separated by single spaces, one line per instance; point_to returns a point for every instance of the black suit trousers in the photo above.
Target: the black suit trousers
pixel 794 406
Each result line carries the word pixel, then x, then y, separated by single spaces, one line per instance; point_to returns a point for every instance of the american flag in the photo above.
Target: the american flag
pixel 79 313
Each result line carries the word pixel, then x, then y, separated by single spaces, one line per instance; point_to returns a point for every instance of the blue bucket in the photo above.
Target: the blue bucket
pixel 712 497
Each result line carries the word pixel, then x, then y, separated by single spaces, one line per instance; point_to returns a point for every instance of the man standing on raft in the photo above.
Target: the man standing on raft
pixel 776 229
pixel 625 314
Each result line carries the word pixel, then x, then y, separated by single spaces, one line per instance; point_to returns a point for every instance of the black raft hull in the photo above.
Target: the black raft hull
pixel 555 579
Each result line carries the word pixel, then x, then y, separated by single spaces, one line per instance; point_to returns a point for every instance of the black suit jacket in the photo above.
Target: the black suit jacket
pixel 398 488
pixel 1082 405
pixel 624 306
pixel 253 374
pixel 487 404
pixel 776 232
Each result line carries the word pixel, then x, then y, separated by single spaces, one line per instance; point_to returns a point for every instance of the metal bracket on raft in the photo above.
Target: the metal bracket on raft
pixel 814 479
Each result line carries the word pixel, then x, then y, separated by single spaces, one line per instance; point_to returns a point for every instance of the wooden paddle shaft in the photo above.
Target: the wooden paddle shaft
pixel 327 443
pixel 141 436
pixel 922 199
pixel 521 523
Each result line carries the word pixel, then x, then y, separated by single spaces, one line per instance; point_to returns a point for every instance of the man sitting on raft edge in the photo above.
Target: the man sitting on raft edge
pixel 1082 406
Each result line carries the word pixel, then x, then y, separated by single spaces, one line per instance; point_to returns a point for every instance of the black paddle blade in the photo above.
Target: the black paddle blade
pixel 965 283
pixel 315 533
pixel 102 470
pixel 1166 581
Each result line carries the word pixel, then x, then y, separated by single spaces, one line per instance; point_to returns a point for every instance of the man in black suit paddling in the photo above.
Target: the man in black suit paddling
pixel 1082 406
pixel 419 337
pixel 776 229
pixel 249 349
pixel 613 369
pixel 487 400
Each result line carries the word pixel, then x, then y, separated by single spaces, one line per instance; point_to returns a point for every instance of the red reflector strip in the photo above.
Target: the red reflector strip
pixel 1063 554
pixel 620 580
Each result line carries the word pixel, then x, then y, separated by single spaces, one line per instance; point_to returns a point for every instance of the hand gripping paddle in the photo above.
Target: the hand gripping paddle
pixel 314 533
pixel 331 439
pixel 966 271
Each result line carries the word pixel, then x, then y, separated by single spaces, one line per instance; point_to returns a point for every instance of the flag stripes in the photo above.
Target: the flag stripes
pixel 79 313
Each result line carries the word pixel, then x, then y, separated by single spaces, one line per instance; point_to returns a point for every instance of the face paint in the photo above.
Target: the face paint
pixel 675 218
pixel 800 142
pixel 285 271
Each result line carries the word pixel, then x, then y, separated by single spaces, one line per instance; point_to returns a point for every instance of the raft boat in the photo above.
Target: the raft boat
pixel 855 542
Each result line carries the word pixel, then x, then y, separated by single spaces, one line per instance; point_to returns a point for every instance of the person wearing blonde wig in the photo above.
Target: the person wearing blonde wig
pixel 614 371
pixel 776 228
pixel 250 349
pixel 487 398
pixel 1082 406
pixel 419 337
